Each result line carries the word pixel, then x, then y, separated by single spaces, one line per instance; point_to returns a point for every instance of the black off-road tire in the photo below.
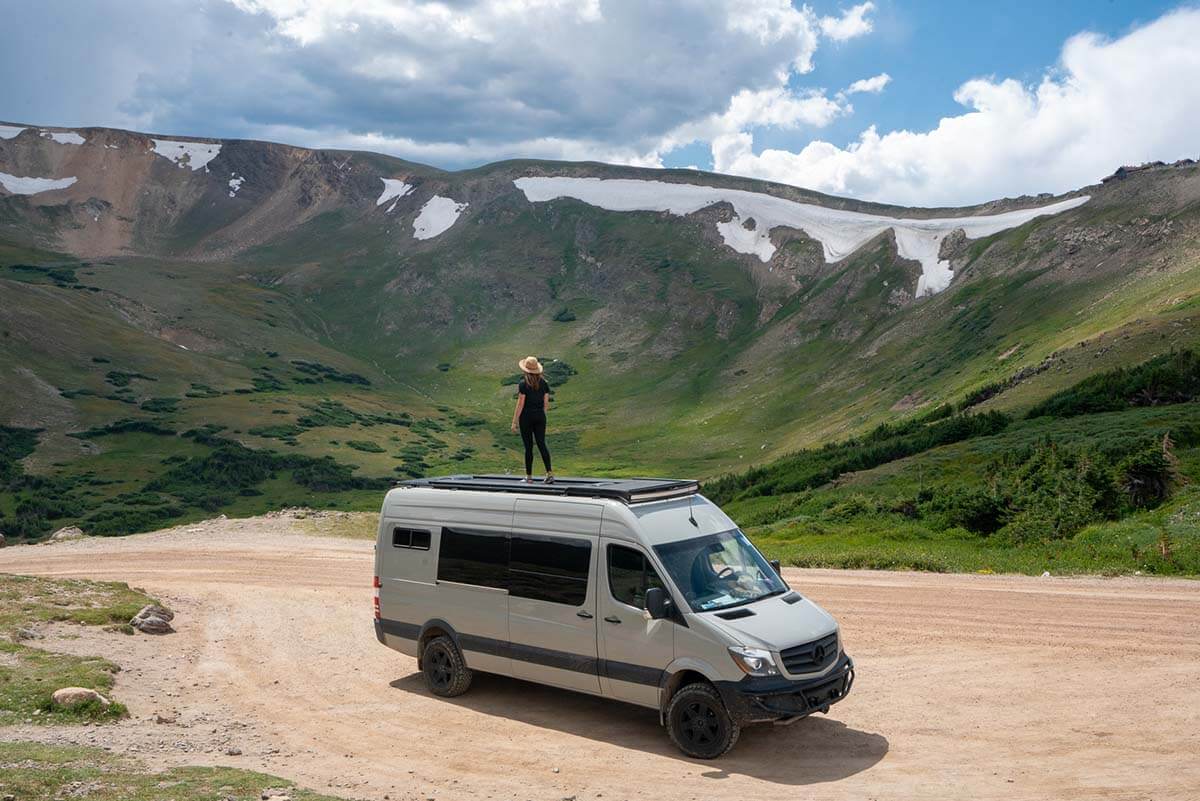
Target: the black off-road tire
pixel 698 722
pixel 446 673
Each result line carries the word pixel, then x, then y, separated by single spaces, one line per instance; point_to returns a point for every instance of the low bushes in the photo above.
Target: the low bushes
pixel 1170 378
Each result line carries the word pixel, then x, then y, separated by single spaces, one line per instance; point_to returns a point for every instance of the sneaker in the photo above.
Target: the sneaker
pixel 549 478
pixel 528 479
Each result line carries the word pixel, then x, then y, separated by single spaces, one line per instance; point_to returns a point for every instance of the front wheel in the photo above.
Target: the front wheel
pixel 446 672
pixel 699 724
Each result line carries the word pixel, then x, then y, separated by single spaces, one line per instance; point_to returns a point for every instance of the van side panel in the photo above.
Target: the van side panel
pixel 552 594
pixel 412 598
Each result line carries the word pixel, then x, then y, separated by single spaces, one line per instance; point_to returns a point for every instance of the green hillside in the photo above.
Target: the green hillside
pixel 297 345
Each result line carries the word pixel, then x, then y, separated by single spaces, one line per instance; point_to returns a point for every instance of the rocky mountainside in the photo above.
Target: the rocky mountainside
pixel 698 322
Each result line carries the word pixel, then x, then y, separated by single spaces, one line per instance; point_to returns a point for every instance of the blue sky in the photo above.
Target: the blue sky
pixel 957 103
pixel 929 50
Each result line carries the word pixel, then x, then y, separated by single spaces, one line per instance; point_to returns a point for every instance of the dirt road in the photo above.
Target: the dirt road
pixel 969 687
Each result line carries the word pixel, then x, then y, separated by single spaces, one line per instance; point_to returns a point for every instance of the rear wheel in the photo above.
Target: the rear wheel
pixel 699 724
pixel 446 673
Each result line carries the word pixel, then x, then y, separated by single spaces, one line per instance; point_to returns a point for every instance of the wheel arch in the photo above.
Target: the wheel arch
pixel 681 673
pixel 431 629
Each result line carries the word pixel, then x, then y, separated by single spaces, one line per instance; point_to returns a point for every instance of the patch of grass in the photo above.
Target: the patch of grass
pixel 28 675
pixel 34 771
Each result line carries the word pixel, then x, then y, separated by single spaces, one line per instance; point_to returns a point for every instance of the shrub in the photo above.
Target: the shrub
pixel 322 372
pixel 1051 491
pixel 160 405
pixel 1170 378
pixel 1148 475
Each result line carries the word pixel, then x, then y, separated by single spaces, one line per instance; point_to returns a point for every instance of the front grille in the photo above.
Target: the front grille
pixel 811 656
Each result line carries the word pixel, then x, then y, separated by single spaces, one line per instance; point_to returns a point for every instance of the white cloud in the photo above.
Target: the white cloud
pixel 1107 102
pixel 851 24
pixel 871 85
pixel 473 80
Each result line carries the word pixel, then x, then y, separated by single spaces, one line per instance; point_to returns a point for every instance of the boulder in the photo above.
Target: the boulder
pixel 1 540
pixel 68 697
pixel 68 533
pixel 153 619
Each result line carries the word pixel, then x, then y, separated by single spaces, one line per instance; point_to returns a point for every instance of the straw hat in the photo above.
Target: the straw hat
pixel 530 364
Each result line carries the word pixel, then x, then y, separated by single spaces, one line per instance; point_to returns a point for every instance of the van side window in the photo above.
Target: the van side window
pixel 553 569
pixel 630 574
pixel 410 538
pixel 473 557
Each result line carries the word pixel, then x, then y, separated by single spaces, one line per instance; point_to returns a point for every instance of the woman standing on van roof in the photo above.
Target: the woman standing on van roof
pixel 533 401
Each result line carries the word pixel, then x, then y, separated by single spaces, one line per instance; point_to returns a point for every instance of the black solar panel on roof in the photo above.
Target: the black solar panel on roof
pixel 629 490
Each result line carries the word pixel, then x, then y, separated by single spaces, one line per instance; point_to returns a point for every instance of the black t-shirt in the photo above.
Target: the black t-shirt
pixel 535 399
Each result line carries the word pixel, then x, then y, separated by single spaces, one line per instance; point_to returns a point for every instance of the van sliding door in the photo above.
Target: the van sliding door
pixel 552 593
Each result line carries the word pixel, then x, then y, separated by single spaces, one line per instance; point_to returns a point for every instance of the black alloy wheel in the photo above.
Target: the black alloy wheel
pixel 699 723
pixel 446 673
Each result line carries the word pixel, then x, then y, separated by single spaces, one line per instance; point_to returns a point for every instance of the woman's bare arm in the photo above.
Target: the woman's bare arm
pixel 546 403
pixel 517 411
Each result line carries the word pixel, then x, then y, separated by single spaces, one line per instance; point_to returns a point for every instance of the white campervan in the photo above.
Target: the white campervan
pixel 640 590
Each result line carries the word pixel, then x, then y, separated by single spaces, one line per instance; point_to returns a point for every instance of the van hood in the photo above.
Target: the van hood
pixel 775 624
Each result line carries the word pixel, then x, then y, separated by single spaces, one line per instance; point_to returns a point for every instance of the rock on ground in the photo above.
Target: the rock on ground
pixel 67 697
pixel 68 533
pixel 153 619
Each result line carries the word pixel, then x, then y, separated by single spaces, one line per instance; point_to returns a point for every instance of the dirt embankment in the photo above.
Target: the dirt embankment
pixel 969 687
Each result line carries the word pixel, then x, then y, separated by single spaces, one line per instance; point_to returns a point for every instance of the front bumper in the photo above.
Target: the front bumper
pixel 775 698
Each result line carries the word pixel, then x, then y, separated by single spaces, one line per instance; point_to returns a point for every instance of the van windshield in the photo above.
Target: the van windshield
pixel 718 571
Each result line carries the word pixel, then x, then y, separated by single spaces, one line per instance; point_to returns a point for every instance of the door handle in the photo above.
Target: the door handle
pixel 612 619
pixel 584 614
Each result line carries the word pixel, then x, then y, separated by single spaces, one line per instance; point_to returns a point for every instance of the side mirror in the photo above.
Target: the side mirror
pixel 775 564
pixel 657 603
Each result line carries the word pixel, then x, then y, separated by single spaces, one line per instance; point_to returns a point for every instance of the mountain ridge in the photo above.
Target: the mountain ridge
pixel 187 294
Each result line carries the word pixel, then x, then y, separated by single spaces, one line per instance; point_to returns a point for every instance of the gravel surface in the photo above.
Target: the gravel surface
pixel 968 686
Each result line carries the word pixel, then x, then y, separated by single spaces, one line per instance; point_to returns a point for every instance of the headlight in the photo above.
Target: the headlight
pixel 754 661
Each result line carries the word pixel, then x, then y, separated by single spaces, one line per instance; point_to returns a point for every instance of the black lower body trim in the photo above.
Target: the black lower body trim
pixel 407 631
pixel 563 660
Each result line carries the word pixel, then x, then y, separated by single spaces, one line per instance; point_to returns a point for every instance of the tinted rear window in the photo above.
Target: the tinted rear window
pixel 473 557
pixel 553 569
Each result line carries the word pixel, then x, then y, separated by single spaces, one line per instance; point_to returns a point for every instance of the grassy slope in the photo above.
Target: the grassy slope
pixel 848 524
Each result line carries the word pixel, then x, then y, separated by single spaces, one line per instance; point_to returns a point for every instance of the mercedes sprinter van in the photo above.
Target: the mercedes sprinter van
pixel 639 590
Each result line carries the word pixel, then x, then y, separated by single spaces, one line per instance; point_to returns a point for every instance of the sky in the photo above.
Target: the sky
pixel 914 102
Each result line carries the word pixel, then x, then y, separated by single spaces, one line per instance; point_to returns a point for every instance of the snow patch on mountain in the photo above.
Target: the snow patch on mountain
pixel 393 188
pixel 437 215
pixel 9 131
pixel 186 154
pixel 32 186
pixel 839 232
pixel 235 183
pixel 64 137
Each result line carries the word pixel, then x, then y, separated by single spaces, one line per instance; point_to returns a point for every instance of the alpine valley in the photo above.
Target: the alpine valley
pixel 191 327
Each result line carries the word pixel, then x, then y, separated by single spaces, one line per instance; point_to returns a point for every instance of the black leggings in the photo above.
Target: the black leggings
pixel 534 428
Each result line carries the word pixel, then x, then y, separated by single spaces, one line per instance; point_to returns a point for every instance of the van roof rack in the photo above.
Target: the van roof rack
pixel 627 490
